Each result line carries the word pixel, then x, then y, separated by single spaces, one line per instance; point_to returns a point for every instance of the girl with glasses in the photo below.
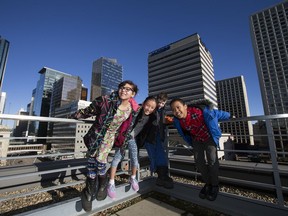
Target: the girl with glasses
pixel 114 118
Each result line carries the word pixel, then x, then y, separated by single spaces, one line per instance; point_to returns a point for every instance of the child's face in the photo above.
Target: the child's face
pixel 161 104
pixel 149 106
pixel 179 110
pixel 126 92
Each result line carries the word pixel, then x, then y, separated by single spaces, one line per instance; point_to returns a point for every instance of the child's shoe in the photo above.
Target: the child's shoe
pixel 134 184
pixel 111 190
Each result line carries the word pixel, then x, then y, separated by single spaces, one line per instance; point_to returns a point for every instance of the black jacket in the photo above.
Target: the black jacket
pixel 145 132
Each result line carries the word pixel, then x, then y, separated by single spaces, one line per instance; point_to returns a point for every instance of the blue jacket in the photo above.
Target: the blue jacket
pixel 211 118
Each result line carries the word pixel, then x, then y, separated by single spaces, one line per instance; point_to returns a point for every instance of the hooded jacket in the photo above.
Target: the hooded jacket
pixel 211 119
pixel 104 108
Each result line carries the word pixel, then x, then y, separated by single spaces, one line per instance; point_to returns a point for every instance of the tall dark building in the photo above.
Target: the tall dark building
pixel 106 76
pixel 84 93
pixel 65 90
pixel 4 50
pixel 42 96
pixel 269 31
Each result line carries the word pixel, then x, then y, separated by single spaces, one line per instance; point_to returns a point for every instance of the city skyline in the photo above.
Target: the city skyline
pixel 69 37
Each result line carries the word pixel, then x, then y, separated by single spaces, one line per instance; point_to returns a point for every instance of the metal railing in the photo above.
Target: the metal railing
pixel 17 178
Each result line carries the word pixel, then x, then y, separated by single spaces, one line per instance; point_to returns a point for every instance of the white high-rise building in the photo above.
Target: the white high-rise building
pixel 182 69
pixel 232 97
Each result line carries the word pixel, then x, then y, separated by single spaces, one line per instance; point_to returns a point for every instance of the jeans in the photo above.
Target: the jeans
pixel 209 170
pixel 120 153
pixel 157 154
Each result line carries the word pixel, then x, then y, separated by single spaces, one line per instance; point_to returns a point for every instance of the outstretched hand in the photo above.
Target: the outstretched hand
pixel 168 119
pixel 74 116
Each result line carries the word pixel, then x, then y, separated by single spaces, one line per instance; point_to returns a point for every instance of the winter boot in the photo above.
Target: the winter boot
pixel 212 193
pixel 102 192
pixel 205 191
pixel 89 193
pixel 163 178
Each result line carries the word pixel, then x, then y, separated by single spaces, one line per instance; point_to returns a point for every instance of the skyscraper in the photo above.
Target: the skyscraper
pixel 106 76
pixel 232 97
pixel 4 49
pixel 269 31
pixel 65 90
pixel 42 97
pixel 182 69
pixel 2 104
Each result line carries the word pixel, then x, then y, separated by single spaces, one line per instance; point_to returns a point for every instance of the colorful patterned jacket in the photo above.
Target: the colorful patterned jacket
pixel 104 108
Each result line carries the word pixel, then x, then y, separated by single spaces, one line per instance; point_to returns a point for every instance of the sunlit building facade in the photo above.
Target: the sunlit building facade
pixel 77 130
pixel 269 31
pixel 232 97
pixel 182 69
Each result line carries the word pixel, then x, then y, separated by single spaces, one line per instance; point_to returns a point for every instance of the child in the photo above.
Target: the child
pixel 144 118
pixel 154 145
pixel 198 126
pixel 114 118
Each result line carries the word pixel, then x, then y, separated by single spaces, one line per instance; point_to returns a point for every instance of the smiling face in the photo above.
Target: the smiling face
pixel 126 92
pixel 149 106
pixel 161 103
pixel 179 109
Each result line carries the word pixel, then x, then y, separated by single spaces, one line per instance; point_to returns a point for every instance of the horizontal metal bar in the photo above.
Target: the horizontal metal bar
pixel 60 186
pixel 42 155
pixel 37 118
pixel 257 118
pixel 51 119
pixel 6 178
pixel 35 137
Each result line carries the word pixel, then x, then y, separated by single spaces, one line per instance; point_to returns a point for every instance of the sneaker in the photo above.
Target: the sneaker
pixel 134 184
pixel 204 191
pixel 111 190
pixel 213 192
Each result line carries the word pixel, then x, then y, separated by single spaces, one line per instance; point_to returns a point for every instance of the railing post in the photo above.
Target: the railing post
pixel 275 168
pixel 166 147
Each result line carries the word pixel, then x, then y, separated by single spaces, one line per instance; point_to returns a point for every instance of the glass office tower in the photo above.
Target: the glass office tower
pixel 65 90
pixel 42 96
pixel 106 76
pixel 4 50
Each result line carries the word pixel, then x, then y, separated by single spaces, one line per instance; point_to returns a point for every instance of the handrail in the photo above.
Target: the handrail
pixel 272 151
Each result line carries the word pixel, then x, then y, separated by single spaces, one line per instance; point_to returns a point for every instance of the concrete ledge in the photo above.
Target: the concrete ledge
pixel 225 203
pixel 74 206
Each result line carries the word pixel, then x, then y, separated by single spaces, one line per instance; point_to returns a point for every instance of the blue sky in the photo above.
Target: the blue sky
pixel 68 35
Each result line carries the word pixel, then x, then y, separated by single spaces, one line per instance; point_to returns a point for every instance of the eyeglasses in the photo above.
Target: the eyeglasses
pixel 127 89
